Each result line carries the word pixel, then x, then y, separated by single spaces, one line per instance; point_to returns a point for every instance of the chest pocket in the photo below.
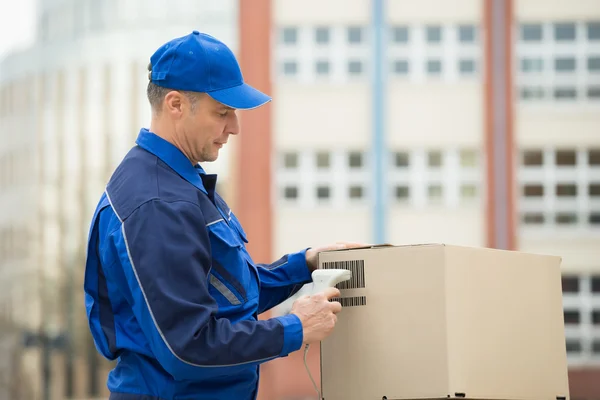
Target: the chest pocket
pixel 231 280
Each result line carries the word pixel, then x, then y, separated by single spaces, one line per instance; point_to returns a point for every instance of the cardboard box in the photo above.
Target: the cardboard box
pixel 440 321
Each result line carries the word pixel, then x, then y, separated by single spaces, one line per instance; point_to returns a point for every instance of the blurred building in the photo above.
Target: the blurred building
pixel 70 108
pixel 72 105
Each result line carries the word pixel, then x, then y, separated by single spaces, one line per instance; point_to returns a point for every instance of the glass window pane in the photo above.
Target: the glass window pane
pixel 573 346
pixel 290 192
pixel 433 33
pixel 593 64
pixel 593 30
pixel 532 64
pixel 323 192
pixel 572 317
pixel 566 190
pixel 323 160
pixel 594 218
pixel 401 67
pixel 290 68
pixel 355 160
pixel 290 160
pixel 594 190
pixel 355 34
pixel 466 33
pixel 468 158
pixel 593 92
pixel 533 190
pixel 402 192
pixel 355 67
pixel 533 218
pixel 468 191
pixel 434 67
pixel 594 157
pixel 596 284
pixel 565 64
pixel 322 35
pixel 570 284
pixel 533 158
pixel 402 159
pixel 434 159
pixel 564 31
pixel 322 67
pixel 434 191
pixel 531 32
pixel 528 93
pixel 289 35
pixel 355 192
pixel 400 34
pixel 565 93
pixel 566 218
pixel 466 67
pixel 566 157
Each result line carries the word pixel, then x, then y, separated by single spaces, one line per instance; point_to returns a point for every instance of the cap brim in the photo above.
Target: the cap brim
pixel 242 97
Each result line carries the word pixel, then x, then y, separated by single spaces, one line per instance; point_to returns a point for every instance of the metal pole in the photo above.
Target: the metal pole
pixel 379 155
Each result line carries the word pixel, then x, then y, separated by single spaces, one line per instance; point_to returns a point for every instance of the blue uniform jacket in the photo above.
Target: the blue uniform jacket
pixel 170 290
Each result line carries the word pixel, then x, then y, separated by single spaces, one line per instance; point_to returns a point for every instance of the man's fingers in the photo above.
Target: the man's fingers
pixel 331 292
pixel 336 307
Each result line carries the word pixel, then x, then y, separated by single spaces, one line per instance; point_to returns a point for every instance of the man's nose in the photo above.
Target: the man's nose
pixel 233 127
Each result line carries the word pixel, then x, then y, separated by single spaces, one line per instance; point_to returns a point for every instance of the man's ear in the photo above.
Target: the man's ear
pixel 173 103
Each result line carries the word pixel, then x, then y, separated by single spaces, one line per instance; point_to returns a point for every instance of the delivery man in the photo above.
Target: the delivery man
pixel 170 289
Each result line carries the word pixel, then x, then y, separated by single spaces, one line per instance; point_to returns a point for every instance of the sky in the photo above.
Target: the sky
pixel 17 25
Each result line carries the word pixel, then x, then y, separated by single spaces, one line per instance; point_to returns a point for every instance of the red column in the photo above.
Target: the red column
pixel 499 136
pixel 253 192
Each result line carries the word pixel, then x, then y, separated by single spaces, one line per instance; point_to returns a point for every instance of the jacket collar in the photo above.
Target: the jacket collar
pixel 171 156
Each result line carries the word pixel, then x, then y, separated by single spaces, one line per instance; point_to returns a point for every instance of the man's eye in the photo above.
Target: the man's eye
pixel 223 114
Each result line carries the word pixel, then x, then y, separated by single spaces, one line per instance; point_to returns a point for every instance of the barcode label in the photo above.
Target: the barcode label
pixel 351 301
pixel 357 267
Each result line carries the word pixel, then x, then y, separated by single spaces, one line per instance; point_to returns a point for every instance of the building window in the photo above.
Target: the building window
pixel 290 68
pixel 434 159
pixel 291 192
pixel 466 33
pixel 434 67
pixel 564 64
pixel 355 35
pixel 593 31
pixel 468 158
pixel 564 32
pixel 322 35
pixel 533 218
pixel 532 64
pixel 402 159
pixel 402 193
pixel 533 190
pixel 323 192
pixel 323 160
pixel 355 160
pixel 290 160
pixel 468 191
pixel 530 93
pixel 594 157
pixel 594 218
pixel 566 157
pixel 289 35
pixel 570 284
pixel 531 32
pixel 564 218
pixel 322 67
pixel 434 192
pixel 566 190
pixel 593 64
pixel 400 34
pixel 595 284
pixel 594 190
pixel 572 317
pixel 355 192
pixel 401 67
pixel 466 67
pixel 355 67
pixel 565 93
pixel 593 92
pixel 433 34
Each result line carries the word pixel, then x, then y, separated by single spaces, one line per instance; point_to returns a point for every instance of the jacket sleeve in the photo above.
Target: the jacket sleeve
pixel 282 279
pixel 164 250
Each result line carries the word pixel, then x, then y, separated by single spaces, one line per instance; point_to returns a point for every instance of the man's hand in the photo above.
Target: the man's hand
pixel 317 314
pixel 312 254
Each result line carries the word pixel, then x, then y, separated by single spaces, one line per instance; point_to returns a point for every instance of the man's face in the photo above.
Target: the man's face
pixel 204 130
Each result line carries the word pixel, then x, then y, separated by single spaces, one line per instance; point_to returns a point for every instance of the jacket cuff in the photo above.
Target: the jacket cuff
pixel 293 334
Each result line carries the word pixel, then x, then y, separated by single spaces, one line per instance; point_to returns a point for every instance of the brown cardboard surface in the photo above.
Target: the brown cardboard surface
pixel 441 320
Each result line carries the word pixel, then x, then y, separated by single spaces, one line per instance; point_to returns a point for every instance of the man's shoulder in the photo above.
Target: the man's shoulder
pixel 141 178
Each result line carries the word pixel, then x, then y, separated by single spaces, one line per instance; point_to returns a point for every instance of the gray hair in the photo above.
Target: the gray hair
pixel 156 95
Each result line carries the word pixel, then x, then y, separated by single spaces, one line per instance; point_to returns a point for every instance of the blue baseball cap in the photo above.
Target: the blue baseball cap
pixel 200 63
